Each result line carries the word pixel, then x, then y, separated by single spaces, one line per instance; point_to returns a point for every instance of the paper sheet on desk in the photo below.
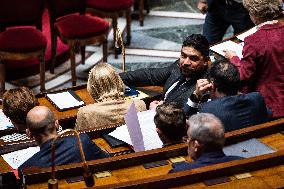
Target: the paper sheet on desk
pixel 148 130
pixel 64 100
pixel 247 33
pixel 17 158
pixel 5 122
pixel 228 45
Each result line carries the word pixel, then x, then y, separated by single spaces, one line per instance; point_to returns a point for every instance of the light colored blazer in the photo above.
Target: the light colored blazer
pixel 105 113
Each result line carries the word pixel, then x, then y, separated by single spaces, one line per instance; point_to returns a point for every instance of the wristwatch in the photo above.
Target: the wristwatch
pixel 194 98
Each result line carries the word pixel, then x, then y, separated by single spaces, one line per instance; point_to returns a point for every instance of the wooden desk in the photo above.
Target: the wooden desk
pixel 82 92
pixel 126 164
pixel 264 170
pixel 67 118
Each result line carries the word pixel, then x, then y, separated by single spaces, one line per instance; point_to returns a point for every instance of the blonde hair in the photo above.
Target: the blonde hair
pixel 263 9
pixel 104 84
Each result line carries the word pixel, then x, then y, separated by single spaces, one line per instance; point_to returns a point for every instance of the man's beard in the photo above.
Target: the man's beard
pixel 190 73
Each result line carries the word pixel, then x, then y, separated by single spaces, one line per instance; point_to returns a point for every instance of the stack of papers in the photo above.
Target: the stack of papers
pixel 65 100
pixel 17 158
pixel 5 122
pixel 150 138
pixel 228 45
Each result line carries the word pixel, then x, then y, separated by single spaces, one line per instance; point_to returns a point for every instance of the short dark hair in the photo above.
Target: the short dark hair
pixel 198 42
pixel 225 76
pixel 45 126
pixel 17 103
pixel 170 119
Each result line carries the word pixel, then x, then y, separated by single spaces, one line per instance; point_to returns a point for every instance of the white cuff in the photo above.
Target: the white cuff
pixel 192 104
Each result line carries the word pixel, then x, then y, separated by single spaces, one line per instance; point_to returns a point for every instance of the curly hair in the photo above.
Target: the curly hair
pixel 17 103
pixel 263 9
pixel 104 84
pixel 198 42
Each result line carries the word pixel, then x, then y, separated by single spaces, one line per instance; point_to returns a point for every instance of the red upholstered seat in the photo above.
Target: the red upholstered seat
pixel 22 40
pixel 109 5
pixel 81 26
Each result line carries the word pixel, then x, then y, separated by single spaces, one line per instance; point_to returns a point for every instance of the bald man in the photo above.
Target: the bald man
pixel 205 143
pixel 42 126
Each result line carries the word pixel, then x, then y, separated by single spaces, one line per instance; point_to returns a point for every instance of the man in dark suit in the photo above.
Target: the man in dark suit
pixel 235 110
pixel 220 14
pixel 42 127
pixel 180 78
pixel 205 143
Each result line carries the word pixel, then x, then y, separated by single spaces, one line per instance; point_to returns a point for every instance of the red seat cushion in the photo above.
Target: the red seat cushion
pixel 22 40
pixel 81 26
pixel 109 5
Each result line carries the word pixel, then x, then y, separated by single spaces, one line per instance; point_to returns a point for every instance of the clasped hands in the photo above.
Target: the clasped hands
pixel 202 87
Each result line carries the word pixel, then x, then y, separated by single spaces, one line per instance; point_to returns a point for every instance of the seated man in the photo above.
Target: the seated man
pixel 180 78
pixel 42 127
pixel 205 143
pixel 235 110
pixel 170 122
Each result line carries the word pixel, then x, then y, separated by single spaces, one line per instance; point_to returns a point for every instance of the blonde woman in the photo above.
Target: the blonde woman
pixel 107 89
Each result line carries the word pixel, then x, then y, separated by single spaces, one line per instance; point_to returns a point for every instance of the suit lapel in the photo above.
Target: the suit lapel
pixel 185 87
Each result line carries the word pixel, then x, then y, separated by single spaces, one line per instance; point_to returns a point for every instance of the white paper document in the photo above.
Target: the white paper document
pixel 64 100
pixel 17 158
pixel 148 129
pixel 5 122
pixel 247 33
pixel 228 45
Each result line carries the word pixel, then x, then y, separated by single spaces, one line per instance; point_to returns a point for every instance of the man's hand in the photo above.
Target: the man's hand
pixel 153 105
pixel 230 54
pixel 202 86
pixel 202 6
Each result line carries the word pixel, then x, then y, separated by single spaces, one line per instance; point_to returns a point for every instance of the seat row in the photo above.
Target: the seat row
pixel 68 21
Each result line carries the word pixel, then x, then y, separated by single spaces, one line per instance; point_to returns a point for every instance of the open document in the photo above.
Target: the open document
pixel 17 158
pixel 5 122
pixel 247 33
pixel 65 100
pixel 228 45
pixel 148 137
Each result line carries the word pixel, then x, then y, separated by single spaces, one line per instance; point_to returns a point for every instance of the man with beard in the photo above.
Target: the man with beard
pixel 178 79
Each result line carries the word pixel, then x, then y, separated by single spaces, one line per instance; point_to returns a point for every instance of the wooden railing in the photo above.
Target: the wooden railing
pixel 37 175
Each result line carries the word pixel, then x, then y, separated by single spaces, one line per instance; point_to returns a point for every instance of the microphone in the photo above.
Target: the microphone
pixel 87 174
pixel 119 47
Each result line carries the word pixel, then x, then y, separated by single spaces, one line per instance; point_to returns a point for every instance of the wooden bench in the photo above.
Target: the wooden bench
pixel 131 162
pixel 265 171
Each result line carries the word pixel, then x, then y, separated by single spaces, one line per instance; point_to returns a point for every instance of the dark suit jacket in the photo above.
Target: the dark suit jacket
pixel 67 151
pixel 163 77
pixel 205 159
pixel 237 111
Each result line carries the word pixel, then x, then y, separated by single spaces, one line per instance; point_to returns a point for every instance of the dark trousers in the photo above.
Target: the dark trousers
pixel 220 16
